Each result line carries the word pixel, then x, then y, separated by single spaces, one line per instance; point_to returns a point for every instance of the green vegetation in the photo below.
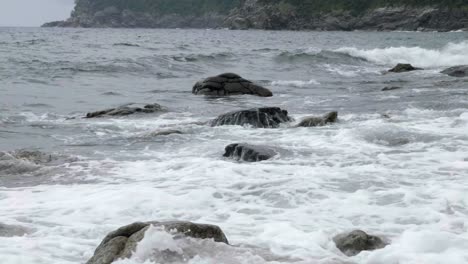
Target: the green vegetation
pixel 163 6
pixel 224 6
pixel 314 6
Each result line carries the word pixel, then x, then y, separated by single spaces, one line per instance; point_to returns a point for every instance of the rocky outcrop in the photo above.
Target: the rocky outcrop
pixel 121 243
pixel 247 152
pixel 402 67
pixel 13 230
pixel 229 84
pixel 356 241
pixel 113 17
pixel 276 15
pixel 266 117
pixel 319 121
pixel 457 71
pixel 126 110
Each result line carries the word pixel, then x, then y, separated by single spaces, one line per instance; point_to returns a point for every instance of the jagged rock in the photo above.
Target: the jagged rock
pixel 402 67
pixel 353 243
pixel 390 88
pixel 13 230
pixel 126 110
pixel 247 152
pixel 229 84
pixel 121 243
pixel 319 121
pixel 266 117
pixel 457 71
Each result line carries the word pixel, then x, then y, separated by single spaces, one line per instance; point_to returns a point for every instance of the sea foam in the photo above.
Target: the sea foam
pixel 450 55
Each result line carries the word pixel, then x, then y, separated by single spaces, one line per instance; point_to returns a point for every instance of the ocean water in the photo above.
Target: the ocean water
pixel 395 165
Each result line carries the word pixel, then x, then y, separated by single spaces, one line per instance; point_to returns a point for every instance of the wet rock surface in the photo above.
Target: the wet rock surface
pixel 121 243
pixel 126 110
pixel 319 121
pixel 403 67
pixel 457 71
pixel 248 152
pixel 229 84
pixel 266 117
pixel 356 241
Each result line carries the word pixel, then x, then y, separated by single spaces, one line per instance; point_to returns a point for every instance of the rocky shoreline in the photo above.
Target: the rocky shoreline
pixel 255 15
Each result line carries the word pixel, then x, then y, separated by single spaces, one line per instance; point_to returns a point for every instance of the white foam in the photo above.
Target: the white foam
pixel 295 83
pixel 450 55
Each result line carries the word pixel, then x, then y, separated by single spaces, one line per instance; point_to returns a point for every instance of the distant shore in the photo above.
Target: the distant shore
pixel 269 18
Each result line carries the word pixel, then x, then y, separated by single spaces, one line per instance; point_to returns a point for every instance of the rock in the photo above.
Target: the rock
pixel 319 121
pixel 164 133
pixel 121 243
pixel 229 84
pixel 401 67
pixel 457 71
pixel 390 88
pixel 353 243
pixel 266 117
pixel 13 230
pixel 247 152
pixel 126 110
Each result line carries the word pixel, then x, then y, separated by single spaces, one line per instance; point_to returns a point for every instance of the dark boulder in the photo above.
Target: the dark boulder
pixel 247 152
pixel 402 67
pixel 122 243
pixel 229 84
pixel 457 71
pixel 319 121
pixel 126 110
pixel 353 243
pixel 266 117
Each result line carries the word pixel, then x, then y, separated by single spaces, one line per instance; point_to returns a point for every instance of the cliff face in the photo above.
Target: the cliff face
pixel 251 14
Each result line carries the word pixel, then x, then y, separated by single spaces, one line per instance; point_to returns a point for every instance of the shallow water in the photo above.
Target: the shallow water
pixel 394 165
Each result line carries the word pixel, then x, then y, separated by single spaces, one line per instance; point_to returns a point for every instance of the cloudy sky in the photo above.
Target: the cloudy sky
pixel 33 12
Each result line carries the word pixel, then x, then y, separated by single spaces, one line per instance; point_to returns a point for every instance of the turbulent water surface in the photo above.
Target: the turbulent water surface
pixel 395 165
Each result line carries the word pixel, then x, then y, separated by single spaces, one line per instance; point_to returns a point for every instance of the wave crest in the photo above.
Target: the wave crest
pixel 451 54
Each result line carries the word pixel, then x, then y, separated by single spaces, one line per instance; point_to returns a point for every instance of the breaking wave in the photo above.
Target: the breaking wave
pixel 450 55
pixel 295 83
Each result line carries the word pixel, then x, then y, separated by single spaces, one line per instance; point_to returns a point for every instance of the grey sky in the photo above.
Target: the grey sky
pixel 33 12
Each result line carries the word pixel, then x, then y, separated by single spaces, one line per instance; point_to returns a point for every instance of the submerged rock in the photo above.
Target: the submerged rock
pixel 122 243
pixel 353 243
pixel 266 117
pixel 13 230
pixel 390 88
pixel 164 133
pixel 247 152
pixel 402 67
pixel 319 121
pixel 126 110
pixel 457 71
pixel 229 84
